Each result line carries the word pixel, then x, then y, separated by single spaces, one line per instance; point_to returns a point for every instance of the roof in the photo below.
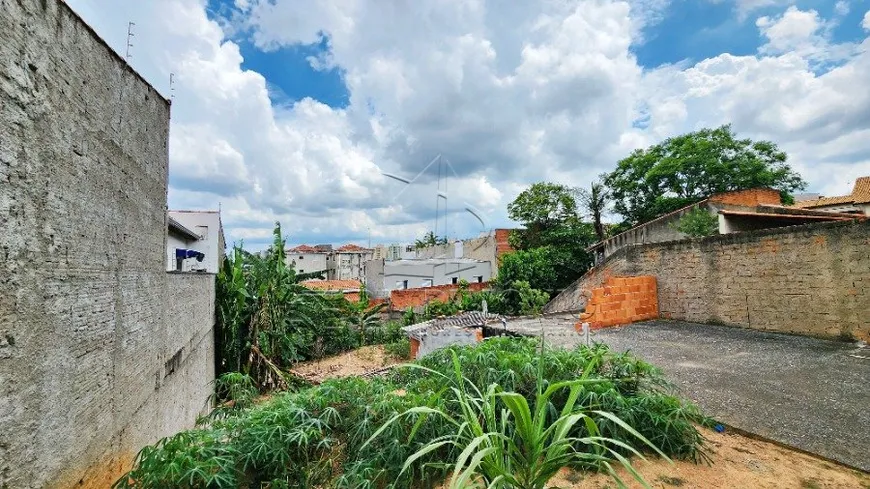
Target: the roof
pixel 468 319
pixel 304 249
pixel 332 285
pixel 352 248
pixel 431 261
pixel 799 217
pixel 181 229
pixel 860 195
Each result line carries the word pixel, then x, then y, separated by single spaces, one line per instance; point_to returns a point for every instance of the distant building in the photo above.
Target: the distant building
pixel 489 247
pixel 382 277
pixel 379 252
pixel 308 259
pixel 348 262
pixel 401 252
pixel 206 226
pixel 858 202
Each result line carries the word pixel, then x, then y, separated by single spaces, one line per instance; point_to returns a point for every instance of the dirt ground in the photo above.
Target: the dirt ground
pixel 361 361
pixel 738 462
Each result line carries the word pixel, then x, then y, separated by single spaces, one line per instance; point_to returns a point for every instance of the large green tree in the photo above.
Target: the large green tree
pixel 685 169
pixel 553 232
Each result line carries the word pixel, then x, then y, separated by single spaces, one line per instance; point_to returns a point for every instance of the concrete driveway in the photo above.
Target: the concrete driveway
pixel 808 393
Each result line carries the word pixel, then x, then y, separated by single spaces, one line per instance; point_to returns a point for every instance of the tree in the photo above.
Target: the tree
pixel 429 239
pixel 594 201
pixel 543 204
pixel 688 168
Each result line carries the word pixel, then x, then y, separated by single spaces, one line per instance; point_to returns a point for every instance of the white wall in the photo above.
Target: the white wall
pixel 174 241
pixel 208 225
pixel 308 262
pixel 349 265
pixel 440 272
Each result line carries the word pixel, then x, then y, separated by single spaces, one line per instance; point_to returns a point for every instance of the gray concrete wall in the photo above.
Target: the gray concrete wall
pixel 812 280
pixel 96 358
pixel 416 271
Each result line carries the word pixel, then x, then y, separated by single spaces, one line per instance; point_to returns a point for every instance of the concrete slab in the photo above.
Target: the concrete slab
pixel 804 392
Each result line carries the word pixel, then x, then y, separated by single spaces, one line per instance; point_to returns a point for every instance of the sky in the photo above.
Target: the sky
pixel 362 120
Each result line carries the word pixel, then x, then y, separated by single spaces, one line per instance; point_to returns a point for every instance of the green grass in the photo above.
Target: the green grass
pixel 324 435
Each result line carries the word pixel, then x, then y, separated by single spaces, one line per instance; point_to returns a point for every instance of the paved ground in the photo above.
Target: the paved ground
pixel 804 392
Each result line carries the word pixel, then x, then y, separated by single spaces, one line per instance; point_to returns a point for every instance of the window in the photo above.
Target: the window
pixel 301 271
pixel 404 284
pixel 454 280
pixel 480 279
pixel 401 284
pixel 427 282
pixel 301 257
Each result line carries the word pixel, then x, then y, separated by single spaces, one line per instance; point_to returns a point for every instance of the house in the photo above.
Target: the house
pixel 181 241
pixel 206 227
pixel 308 259
pixel 382 277
pixel 858 202
pixel 348 262
pixel 489 246
pixel 742 210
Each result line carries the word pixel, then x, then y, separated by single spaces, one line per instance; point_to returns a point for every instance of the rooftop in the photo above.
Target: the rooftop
pixel 352 248
pixel 860 195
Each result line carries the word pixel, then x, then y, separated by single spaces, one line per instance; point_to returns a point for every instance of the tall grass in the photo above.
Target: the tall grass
pixel 323 436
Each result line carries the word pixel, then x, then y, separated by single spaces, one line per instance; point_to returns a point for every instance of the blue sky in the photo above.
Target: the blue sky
pixel 510 93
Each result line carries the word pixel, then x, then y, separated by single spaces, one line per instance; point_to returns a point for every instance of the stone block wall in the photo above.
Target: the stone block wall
pixel 621 300
pixel 812 279
pixel 101 351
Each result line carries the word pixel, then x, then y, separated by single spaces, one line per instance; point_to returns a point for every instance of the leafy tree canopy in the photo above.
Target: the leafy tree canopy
pixel 429 239
pixel 688 168
pixel 543 204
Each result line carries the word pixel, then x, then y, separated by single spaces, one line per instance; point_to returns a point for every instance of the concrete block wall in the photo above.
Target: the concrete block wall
pixel 417 298
pixel 812 280
pixel 101 351
pixel 621 300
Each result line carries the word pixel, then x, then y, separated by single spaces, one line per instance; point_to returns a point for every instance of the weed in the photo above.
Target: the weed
pixel 671 481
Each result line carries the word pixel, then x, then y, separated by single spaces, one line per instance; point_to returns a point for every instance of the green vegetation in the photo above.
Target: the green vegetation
pixel 688 168
pixel 698 223
pixel 267 321
pixel 542 408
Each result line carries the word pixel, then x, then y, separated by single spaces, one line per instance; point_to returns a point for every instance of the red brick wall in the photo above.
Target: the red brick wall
pixel 622 300
pixel 415 348
pixel 403 299
pixel 750 198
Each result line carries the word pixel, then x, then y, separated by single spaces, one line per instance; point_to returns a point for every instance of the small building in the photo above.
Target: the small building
pixel 742 210
pixel 858 202
pixel 207 225
pixel 308 259
pixel 401 252
pixel 348 263
pixel 462 329
pixel 181 241
pixel 382 277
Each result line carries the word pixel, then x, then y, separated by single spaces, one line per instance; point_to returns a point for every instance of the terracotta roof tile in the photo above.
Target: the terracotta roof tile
pixel 304 249
pixel 860 195
pixel 352 247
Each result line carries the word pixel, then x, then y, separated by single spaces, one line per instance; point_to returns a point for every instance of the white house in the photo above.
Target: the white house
pixel 182 227
pixel 308 259
pixel 382 277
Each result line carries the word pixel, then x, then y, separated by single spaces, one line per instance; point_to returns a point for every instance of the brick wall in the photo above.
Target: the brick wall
pixel 621 300
pixel 101 351
pixel 400 300
pixel 750 198
pixel 812 279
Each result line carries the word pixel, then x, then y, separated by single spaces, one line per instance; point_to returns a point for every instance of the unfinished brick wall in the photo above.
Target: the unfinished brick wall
pixel 621 300
pixel 751 198
pixel 812 279
pixel 401 300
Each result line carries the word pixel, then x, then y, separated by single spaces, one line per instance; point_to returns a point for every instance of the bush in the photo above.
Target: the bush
pixel 698 223
pixel 318 436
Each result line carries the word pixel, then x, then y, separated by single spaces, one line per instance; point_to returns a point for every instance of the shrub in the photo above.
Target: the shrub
pixel 323 435
pixel 698 223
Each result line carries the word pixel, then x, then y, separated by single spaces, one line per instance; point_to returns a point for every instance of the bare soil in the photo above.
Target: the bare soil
pixel 738 462
pixel 361 361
